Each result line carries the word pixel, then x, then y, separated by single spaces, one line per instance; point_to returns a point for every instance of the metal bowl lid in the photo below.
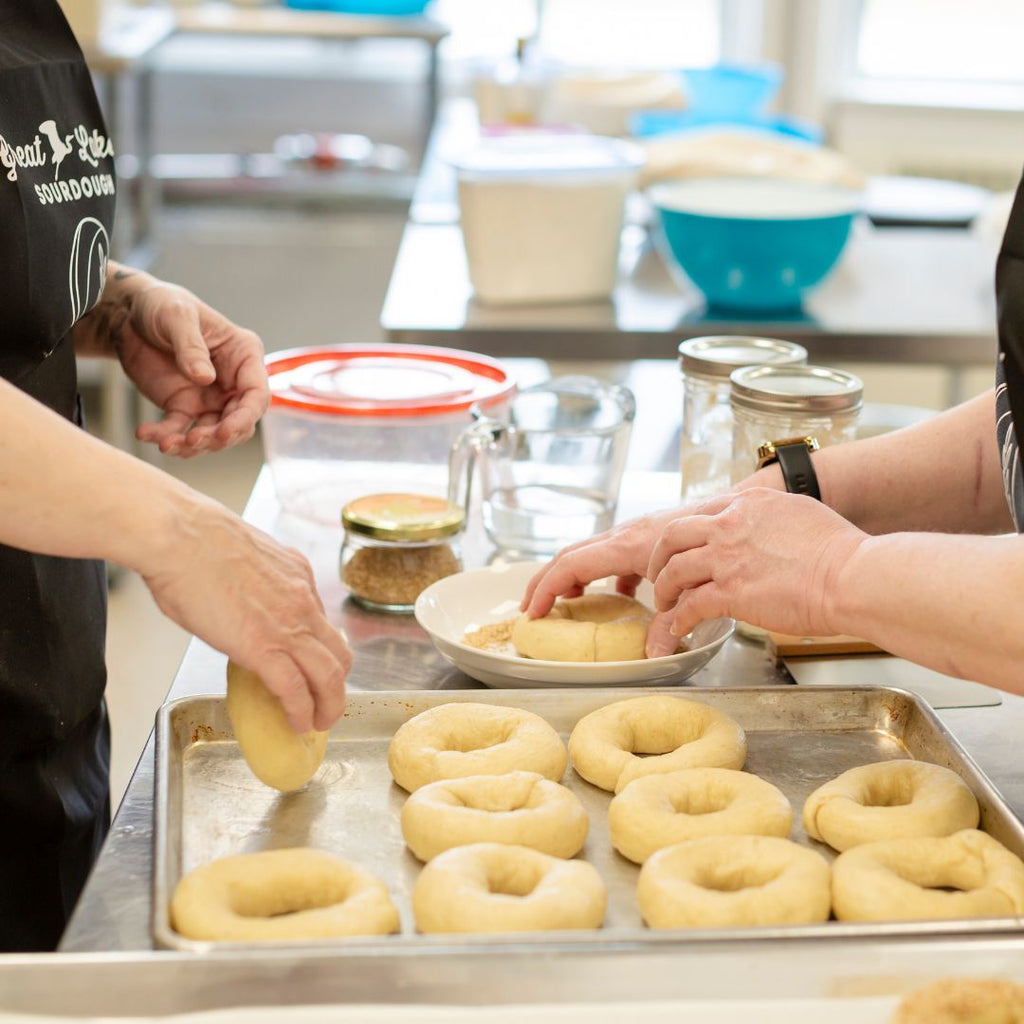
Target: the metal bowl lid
pixel 384 380
pixel 816 389
pixel 718 355
pixel 402 517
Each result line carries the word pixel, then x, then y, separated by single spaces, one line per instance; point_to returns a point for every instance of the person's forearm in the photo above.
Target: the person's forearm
pixel 64 492
pixel 97 332
pixel 953 603
pixel 942 475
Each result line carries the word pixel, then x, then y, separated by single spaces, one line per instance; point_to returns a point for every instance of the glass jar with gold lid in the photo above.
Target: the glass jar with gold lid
pixel 396 545
pixel 772 403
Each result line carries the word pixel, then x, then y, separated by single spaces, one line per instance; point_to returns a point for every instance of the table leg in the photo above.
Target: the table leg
pixel 145 183
pixel 433 89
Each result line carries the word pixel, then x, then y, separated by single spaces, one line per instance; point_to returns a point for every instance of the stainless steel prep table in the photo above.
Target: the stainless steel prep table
pixel 391 652
pixel 899 295
pixel 114 913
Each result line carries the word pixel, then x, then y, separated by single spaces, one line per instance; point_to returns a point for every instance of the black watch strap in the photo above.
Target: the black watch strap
pixel 794 458
pixel 797 469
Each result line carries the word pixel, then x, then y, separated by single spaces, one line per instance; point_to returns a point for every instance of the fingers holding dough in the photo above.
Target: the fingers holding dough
pixel 592 627
pixel 277 755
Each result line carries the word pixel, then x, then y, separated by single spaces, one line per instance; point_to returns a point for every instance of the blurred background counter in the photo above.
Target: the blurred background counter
pixel 920 295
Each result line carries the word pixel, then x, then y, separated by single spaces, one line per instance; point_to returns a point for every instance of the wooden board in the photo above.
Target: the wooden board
pixel 782 645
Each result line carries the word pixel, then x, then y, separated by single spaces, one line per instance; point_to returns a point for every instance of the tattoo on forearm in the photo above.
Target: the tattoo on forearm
pixel 102 327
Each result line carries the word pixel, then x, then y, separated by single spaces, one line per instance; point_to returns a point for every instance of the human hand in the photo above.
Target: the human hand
pixel 256 600
pixel 624 551
pixel 766 557
pixel 204 372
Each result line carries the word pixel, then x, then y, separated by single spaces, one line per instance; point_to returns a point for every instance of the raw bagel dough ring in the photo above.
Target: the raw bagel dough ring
pixel 963 1001
pixel 490 887
pixel 518 809
pixel 906 879
pixel 592 627
pixel 889 800
pixel 656 811
pixel 452 741
pixel 276 895
pixel 277 755
pixel 725 881
pixel 682 733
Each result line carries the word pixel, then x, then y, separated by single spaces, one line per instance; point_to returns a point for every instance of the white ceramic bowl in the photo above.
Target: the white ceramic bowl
pixel 448 609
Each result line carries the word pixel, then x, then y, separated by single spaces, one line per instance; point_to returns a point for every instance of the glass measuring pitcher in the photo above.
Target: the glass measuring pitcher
pixel 551 467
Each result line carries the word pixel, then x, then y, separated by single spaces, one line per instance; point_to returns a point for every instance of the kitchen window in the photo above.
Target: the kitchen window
pixel 940 41
pixel 919 87
pixel 589 33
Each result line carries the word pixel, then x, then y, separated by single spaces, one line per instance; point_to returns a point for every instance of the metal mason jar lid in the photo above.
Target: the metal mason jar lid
pixel 796 389
pixel 719 354
pixel 402 517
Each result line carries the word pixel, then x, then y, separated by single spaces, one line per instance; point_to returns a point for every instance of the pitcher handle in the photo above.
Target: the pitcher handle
pixel 462 457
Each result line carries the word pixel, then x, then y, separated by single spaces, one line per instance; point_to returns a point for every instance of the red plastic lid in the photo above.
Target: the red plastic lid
pixel 384 380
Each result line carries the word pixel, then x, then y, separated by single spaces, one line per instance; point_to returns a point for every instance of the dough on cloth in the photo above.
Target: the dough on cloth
pixel 452 741
pixel 491 887
pixel 889 800
pixel 910 879
pixel 277 755
pixel 592 627
pixel 656 811
pixel 519 808
pixel 963 1001
pixel 727 881
pixel 679 733
pixel 277 895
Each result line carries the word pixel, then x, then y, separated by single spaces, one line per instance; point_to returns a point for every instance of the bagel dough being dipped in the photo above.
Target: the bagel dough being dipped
pixel 593 627
pixel 276 754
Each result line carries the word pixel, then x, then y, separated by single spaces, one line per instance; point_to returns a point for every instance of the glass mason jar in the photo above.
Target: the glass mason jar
pixel 773 403
pixel 705 446
pixel 396 545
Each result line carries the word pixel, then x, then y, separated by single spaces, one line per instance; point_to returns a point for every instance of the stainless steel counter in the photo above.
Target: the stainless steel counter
pixel 149 984
pixel 392 652
pixel 107 964
pixel 898 295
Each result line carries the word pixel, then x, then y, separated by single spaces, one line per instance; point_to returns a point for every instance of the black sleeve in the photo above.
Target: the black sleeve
pixel 1010 309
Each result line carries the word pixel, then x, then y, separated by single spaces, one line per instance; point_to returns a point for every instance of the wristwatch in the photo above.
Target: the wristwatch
pixel 793 454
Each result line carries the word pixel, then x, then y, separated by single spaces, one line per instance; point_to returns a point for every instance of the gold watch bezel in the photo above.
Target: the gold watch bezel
pixel 767 453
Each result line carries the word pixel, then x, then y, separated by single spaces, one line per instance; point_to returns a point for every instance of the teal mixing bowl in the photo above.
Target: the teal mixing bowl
pixel 754 243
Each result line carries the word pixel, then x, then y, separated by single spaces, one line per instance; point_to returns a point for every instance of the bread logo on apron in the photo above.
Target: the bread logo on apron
pixel 87 271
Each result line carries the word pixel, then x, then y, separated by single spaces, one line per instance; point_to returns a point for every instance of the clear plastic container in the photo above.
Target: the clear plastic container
pixel 542 215
pixel 397 545
pixel 772 403
pixel 705 447
pixel 350 420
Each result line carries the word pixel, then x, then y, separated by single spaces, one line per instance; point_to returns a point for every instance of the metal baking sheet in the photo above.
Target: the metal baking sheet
pixel 209 805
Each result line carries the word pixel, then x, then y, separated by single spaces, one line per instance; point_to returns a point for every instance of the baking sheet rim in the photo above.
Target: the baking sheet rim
pixel 551 942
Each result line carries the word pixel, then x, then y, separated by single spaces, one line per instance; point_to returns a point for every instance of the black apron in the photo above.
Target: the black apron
pixel 1010 370
pixel 56 213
